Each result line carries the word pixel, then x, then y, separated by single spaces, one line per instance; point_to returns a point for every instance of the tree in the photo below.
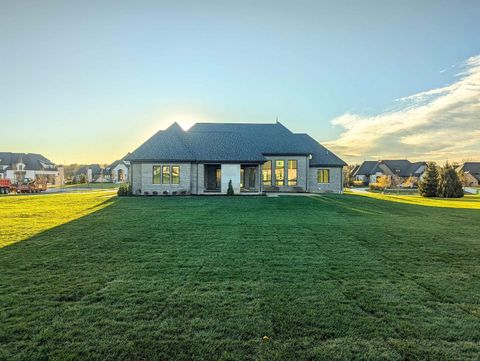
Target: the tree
pixel 450 185
pixel 428 185
pixel 348 175
pixel 230 191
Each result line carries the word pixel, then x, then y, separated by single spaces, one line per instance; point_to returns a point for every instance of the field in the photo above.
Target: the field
pixel 337 277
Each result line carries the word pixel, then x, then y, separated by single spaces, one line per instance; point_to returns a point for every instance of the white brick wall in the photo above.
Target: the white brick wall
pixel 334 186
pixel 142 178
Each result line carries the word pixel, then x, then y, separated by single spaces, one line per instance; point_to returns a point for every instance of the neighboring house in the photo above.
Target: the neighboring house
pixel 407 172
pixel 117 172
pixel 256 158
pixel 20 166
pixel 471 171
pixel 92 173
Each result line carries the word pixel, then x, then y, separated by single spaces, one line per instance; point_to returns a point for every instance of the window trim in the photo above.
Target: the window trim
pixel 270 181
pixel 159 174
pixel 283 173
pixel 290 181
pixel 323 171
pixel 171 175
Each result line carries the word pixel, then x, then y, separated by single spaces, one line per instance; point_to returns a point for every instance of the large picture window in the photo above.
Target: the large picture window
pixel 175 174
pixel 280 172
pixel 267 173
pixel 292 172
pixel 157 174
pixel 323 176
pixel 166 174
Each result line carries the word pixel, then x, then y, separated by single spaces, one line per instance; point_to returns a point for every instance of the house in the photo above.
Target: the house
pixel 117 172
pixel 255 158
pixel 91 173
pixel 471 171
pixel 406 172
pixel 21 166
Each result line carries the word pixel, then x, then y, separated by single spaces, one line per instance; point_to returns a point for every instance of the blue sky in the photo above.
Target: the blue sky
pixel 90 81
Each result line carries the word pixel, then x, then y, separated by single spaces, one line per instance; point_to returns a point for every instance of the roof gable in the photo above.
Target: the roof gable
pixel 245 142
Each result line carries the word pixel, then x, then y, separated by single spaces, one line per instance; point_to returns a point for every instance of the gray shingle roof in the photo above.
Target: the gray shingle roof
pixel 366 168
pixel 110 167
pixel 228 142
pixel 471 167
pixel 32 161
pixel 96 169
pixel 400 167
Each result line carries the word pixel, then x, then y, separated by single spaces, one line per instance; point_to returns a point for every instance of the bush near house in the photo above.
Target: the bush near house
pixel 124 189
pixel 358 183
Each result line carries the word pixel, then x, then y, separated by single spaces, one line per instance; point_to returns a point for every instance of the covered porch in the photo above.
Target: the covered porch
pixel 245 178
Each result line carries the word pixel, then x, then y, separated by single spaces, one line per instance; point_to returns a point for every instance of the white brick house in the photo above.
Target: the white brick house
pixel 256 158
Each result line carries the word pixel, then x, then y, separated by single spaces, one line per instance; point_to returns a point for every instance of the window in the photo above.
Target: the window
pixel 156 174
pixel 242 177
pixel 292 172
pixel 175 174
pixel 323 176
pixel 166 174
pixel 280 172
pixel 267 173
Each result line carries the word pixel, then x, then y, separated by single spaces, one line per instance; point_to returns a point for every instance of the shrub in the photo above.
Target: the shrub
pixel 155 193
pixel 183 192
pixel 124 190
pixel 146 193
pixel 174 193
pixel 165 193
pixel 376 187
pixel 358 183
pixel 230 191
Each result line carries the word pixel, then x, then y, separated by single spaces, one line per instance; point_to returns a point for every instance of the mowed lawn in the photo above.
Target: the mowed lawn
pixel 335 277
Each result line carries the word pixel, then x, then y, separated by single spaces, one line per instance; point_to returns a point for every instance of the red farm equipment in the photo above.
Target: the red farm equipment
pixel 5 186
pixel 27 186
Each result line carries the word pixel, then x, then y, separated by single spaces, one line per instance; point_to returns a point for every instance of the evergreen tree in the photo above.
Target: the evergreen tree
pixel 230 191
pixel 428 185
pixel 450 185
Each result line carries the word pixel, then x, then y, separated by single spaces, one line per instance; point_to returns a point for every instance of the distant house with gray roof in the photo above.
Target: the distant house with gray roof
pixel 21 166
pixel 255 158
pixel 471 173
pixel 90 173
pixel 117 172
pixel 369 171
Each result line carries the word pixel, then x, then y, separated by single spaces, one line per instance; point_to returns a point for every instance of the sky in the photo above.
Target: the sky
pixel 89 81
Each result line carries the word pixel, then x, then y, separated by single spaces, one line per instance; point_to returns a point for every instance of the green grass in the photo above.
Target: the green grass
pixel 468 201
pixel 331 277
pixel 88 185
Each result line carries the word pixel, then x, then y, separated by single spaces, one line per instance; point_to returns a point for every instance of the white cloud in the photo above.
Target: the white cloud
pixel 437 124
